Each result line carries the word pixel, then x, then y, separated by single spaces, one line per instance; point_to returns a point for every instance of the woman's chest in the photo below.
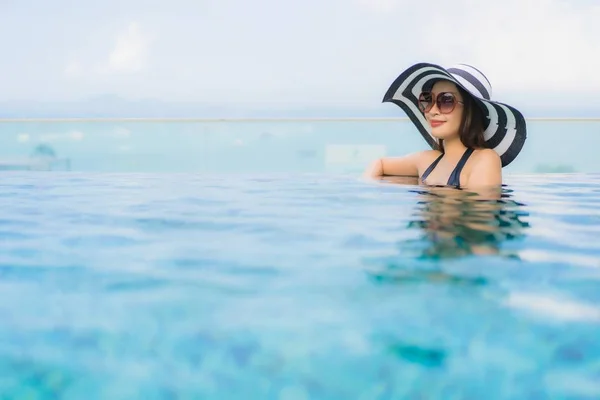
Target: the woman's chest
pixel 447 174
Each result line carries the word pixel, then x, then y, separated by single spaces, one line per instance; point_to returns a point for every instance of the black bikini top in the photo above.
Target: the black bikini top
pixel 454 179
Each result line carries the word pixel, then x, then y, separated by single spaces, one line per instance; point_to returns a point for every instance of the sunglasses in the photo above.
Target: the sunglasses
pixel 445 102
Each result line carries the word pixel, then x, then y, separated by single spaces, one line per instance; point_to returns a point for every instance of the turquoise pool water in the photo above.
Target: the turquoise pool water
pixel 296 286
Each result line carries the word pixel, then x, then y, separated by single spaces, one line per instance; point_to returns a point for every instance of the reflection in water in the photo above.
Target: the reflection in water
pixel 457 223
pixel 453 224
pixel 423 356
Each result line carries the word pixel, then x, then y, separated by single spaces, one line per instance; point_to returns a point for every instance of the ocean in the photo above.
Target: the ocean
pixel 263 146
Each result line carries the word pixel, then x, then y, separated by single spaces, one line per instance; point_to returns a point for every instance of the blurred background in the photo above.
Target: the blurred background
pixel 235 86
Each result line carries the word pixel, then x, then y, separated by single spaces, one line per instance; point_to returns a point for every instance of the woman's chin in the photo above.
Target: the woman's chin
pixel 440 134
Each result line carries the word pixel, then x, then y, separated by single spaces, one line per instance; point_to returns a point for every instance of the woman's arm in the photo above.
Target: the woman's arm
pixel 399 166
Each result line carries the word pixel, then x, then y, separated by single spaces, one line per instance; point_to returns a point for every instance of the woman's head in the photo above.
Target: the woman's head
pixel 451 112
pixel 503 122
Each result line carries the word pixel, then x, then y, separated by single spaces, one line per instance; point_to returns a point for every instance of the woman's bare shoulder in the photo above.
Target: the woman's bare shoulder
pixel 487 157
pixel 430 153
pixel 427 157
pixel 422 159
pixel 486 169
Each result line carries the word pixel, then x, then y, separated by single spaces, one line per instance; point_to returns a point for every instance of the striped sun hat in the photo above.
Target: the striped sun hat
pixel 505 128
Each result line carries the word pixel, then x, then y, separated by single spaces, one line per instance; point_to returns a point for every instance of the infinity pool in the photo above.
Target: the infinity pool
pixel 307 286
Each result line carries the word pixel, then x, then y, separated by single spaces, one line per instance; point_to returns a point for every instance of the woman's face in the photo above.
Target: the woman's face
pixel 445 125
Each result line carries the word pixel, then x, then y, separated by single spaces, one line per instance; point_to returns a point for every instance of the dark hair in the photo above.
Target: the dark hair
pixel 471 125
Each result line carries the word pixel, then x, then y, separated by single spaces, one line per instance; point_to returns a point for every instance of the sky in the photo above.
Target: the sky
pixel 293 52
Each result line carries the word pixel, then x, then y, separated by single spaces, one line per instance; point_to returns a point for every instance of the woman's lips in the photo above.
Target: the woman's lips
pixel 435 124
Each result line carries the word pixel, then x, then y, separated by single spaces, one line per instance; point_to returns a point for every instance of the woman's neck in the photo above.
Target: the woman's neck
pixel 454 148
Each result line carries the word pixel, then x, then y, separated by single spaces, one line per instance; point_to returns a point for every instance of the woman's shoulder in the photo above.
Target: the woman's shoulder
pixel 486 157
pixel 420 157
pixel 424 158
pixel 428 156
pixel 485 169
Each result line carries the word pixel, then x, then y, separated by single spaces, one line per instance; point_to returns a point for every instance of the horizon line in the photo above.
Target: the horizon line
pixel 258 119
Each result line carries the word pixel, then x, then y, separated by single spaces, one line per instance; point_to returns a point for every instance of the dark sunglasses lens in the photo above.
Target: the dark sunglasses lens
pixel 425 102
pixel 446 102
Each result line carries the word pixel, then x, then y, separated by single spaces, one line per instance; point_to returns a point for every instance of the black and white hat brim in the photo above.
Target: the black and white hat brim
pixel 505 127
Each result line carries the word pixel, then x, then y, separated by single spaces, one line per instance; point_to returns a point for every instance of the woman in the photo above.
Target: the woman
pixel 472 138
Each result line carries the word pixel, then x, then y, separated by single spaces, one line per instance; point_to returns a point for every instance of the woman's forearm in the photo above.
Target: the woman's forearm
pixel 375 169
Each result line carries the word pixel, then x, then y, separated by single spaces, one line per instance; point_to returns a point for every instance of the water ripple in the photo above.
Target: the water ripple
pixel 308 286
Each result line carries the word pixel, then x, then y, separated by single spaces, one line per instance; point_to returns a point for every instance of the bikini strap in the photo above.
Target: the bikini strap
pixel 454 179
pixel 431 167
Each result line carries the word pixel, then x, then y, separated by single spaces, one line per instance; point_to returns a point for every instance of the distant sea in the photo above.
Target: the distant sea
pixel 297 146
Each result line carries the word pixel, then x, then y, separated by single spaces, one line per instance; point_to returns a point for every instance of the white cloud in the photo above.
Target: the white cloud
pixel 522 45
pixel 129 55
pixel 130 51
